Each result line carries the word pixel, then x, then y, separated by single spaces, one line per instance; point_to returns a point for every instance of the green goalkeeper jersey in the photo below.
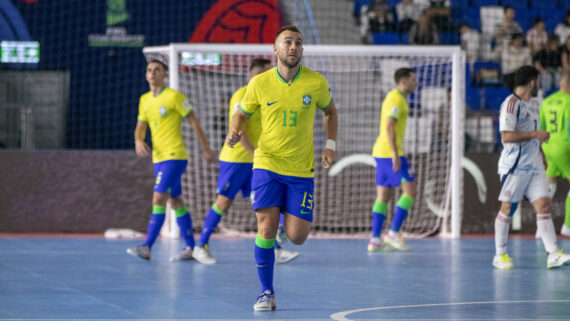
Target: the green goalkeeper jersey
pixel 555 118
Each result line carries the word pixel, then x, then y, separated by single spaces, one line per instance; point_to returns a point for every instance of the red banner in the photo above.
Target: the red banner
pixel 239 21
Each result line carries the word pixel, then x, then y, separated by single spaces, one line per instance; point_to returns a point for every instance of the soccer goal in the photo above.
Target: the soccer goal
pixel 359 77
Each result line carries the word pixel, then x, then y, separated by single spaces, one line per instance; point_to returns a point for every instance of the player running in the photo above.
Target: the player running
pixel 235 175
pixel 286 97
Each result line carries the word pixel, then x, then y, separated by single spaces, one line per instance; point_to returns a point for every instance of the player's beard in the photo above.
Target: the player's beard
pixel 289 64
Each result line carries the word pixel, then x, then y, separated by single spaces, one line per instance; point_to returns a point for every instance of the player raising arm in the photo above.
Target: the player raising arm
pixel 286 97
pixel 163 109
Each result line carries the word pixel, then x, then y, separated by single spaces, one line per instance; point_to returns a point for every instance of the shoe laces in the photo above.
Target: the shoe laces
pixel 264 296
pixel 505 258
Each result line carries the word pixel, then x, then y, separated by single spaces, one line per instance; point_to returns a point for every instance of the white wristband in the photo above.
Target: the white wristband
pixel 331 144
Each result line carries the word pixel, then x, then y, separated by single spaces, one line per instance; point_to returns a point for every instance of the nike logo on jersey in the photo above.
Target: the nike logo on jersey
pixel 269 104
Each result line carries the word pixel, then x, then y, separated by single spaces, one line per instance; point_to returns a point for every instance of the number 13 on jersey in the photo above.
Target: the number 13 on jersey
pixel 307 201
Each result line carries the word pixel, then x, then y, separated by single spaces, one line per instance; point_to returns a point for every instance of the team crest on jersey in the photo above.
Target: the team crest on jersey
pixel 162 111
pixel 307 99
pixel 395 110
pixel 186 105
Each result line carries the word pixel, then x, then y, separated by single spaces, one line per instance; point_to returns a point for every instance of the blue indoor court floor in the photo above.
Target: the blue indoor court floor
pixel 94 279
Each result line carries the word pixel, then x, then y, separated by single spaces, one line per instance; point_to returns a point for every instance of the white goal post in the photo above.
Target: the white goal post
pixel 359 77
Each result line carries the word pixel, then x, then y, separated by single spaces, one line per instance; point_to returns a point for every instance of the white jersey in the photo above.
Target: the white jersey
pixel 520 116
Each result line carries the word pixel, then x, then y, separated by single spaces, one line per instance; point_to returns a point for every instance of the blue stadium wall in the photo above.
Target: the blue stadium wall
pixel 106 82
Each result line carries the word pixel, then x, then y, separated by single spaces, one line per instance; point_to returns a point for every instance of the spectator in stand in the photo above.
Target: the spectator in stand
pixel 512 58
pixel 536 37
pixel 549 63
pixel 408 13
pixel 423 32
pixel 565 55
pixel 504 30
pixel 470 41
pixel 563 29
pixel 439 12
pixel 378 18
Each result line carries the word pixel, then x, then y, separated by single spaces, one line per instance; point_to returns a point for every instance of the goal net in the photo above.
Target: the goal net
pixel 359 78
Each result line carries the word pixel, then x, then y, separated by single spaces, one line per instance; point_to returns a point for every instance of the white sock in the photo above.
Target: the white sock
pixel 545 228
pixel 375 240
pixel 392 233
pixel 501 233
pixel 551 189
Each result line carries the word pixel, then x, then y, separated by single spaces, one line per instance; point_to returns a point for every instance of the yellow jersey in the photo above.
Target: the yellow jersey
pixel 287 111
pixel 394 106
pixel 239 154
pixel 164 114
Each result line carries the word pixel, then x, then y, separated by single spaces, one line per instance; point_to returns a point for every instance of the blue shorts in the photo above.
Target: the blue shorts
pixel 234 177
pixel 168 175
pixel 293 195
pixel 385 176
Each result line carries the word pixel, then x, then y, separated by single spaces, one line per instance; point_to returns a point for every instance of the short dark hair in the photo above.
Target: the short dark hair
pixel 525 74
pixel 158 62
pixel 507 7
pixel 258 62
pixel 517 35
pixel 536 21
pixel 402 73
pixel 287 28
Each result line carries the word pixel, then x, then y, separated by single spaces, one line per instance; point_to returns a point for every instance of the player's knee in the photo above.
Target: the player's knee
pixel 297 239
pixel 267 232
pixel 176 203
pixel 265 229
pixel 543 209
pixel 160 199
pixel 223 203
pixel 543 205
pixel 506 208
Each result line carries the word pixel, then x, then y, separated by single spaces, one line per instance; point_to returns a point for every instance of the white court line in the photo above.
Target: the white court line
pixel 341 316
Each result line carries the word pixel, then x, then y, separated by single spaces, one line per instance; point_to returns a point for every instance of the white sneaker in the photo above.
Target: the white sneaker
pixel 185 255
pixel 281 236
pixel 202 254
pixel 396 241
pixel 142 251
pixel 284 256
pixel 503 262
pixel 565 230
pixel 557 259
pixel 379 247
pixel 536 235
pixel 265 302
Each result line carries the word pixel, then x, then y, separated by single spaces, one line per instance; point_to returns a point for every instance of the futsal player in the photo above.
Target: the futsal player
pixel 235 174
pixel 163 109
pixel 521 169
pixel 286 97
pixel 392 167
pixel 555 119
